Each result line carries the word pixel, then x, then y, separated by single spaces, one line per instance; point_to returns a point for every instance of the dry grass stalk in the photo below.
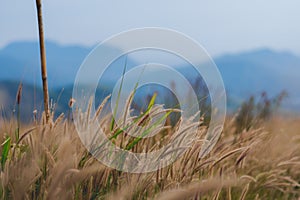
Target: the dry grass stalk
pixel 43 59
pixel 50 162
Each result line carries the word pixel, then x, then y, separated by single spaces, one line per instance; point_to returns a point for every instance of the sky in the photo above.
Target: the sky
pixel 219 26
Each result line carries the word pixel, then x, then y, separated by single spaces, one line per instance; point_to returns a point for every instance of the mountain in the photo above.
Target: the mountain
pixel 262 70
pixel 21 62
pixel 244 74
pixel 258 70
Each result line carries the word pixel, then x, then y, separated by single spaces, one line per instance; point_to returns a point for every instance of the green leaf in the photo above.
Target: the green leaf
pixel 152 101
pixel 118 98
pixel 5 151
pixel 147 131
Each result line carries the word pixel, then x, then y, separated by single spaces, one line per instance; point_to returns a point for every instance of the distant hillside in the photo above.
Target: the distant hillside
pixel 32 99
pixel 262 70
pixel 21 59
pixel 244 73
pixel 259 70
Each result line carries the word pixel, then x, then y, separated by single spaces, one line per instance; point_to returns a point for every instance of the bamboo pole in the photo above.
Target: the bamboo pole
pixel 43 60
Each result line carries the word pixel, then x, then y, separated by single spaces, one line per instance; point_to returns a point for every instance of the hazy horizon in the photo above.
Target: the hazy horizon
pixel 90 47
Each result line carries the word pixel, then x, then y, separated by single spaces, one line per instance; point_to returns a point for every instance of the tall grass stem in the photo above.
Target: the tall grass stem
pixel 43 59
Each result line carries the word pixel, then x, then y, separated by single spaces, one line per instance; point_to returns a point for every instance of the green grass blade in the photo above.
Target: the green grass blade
pixel 118 98
pixel 5 151
pixel 147 131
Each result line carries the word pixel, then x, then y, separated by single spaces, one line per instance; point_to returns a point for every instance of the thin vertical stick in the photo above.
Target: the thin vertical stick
pixel 43 59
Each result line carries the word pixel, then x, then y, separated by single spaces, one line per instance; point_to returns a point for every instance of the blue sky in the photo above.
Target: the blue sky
pixel 220 26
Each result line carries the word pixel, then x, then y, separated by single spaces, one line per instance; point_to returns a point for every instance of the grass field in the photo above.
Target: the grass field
pixel 256 157
pixel 49 162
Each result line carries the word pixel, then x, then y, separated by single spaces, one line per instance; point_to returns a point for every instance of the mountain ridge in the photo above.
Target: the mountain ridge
pixel 244 74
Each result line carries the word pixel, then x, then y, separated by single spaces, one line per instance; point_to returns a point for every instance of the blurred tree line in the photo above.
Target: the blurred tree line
pixel 252 112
